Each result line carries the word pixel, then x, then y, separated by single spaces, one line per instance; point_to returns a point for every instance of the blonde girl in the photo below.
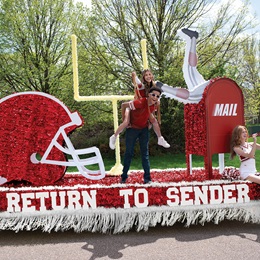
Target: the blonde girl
pixel 246 153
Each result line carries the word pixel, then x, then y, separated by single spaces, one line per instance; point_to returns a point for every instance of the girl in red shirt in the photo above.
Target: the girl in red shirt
pixel 141 91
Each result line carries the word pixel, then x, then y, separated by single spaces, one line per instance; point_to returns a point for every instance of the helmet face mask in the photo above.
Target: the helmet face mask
pixel 43 124
pixel 76 160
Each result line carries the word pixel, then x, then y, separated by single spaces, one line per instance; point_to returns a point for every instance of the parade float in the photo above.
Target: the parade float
pixel 36 192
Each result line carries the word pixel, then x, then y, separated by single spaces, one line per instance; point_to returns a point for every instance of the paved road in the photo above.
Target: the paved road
pixel 227 240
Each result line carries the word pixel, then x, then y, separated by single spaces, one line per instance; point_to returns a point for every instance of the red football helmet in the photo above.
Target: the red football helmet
pixel 34 130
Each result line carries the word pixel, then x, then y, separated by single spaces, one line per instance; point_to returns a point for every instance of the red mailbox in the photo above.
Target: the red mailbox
pixel 209 124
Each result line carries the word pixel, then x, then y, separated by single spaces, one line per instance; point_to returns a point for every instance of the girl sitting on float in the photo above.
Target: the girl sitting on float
pixel 246 152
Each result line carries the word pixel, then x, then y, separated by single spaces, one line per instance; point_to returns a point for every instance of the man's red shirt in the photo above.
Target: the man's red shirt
pixel 140 113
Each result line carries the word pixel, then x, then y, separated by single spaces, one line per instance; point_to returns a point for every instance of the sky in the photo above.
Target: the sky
pixel 256 7
pixel 255 4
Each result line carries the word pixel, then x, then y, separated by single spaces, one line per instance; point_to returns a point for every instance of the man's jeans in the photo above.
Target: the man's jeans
pixel 131 137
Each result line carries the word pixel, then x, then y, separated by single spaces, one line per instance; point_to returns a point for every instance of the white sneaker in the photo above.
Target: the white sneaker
pixel 162 142
pixel 112 142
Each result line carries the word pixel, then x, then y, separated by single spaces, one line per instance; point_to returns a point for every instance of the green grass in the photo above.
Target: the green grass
pixel 173 161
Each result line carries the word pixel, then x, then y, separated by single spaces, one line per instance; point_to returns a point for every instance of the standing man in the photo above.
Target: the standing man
pixel 141 111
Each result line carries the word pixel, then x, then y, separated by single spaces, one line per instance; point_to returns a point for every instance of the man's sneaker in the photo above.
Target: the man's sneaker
pixel 112 142
pixel 190 33
pixel 162 142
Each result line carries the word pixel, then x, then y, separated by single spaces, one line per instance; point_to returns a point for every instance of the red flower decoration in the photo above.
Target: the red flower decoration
pixel 28 123
pixel 195 129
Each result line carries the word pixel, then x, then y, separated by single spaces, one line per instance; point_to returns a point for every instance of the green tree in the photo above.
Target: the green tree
pixel 249 77
pixel 35 44
pixel 117 27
